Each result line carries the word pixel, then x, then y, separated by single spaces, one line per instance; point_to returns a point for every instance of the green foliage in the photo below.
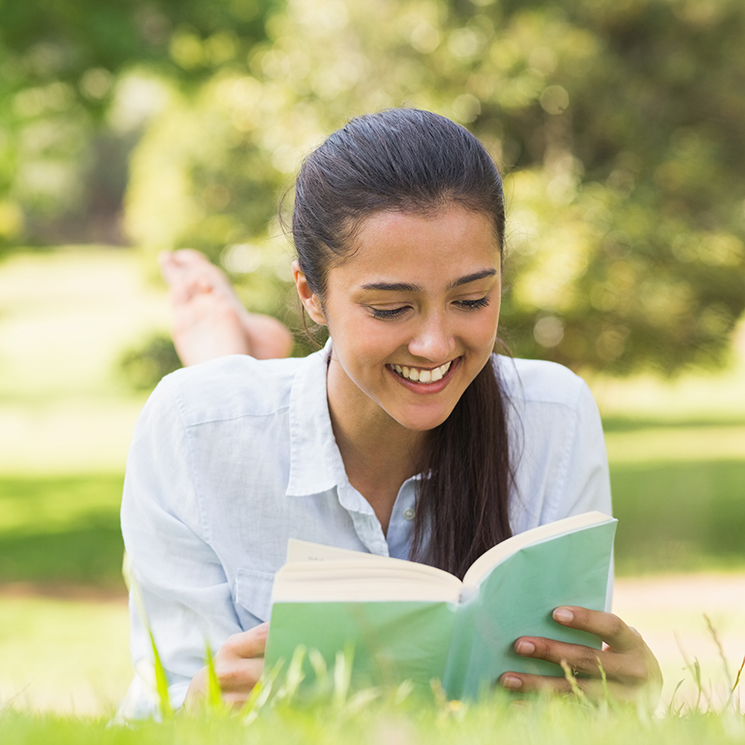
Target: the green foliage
pixel 61 68
pixel 145 365
pixel 618 127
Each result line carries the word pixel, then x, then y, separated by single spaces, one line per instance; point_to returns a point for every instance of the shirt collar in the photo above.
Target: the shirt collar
pixel 315 462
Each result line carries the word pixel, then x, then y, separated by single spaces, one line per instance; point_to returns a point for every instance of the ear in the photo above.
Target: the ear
pixel 311 302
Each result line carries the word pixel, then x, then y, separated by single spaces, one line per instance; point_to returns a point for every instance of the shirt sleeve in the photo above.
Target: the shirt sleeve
pixel 584 476
pixel 185 597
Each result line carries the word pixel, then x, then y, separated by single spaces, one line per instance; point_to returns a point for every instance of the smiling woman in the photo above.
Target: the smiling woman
pixel 405 436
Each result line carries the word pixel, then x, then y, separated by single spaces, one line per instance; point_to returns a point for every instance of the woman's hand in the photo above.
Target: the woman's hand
pixel 631 670
pixel 238 666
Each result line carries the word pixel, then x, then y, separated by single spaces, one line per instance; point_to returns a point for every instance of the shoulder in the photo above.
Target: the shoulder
pixel 228 388
pixel 557 443
pixel 536 383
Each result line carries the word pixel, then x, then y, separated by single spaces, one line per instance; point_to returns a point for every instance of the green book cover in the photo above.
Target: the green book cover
pixel 408 621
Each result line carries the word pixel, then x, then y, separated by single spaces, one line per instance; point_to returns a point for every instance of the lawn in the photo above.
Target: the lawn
pixel 385 723
pixel 677 455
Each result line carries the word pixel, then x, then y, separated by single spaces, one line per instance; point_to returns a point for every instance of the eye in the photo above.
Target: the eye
pixel 388 315
pixel 482 302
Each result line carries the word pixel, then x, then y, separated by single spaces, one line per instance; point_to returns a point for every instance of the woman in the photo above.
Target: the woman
pixel 405 436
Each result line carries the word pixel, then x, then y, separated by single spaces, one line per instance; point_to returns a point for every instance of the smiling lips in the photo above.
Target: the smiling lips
pixel 420 375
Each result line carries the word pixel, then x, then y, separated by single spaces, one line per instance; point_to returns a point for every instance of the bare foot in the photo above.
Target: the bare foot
pixel 209 320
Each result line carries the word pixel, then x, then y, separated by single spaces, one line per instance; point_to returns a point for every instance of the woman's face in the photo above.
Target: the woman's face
pixel 412 315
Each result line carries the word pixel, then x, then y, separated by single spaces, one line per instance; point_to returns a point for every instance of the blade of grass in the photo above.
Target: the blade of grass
pixel 720 648
pixel 608 700
pixel 260 694
pixel 161 682
pixel 161 679
pixel 737 683
pixel 670 709
pixel 214 692
pixel 576 690
pixel 343 675
pixel 294 676
pixel 694 669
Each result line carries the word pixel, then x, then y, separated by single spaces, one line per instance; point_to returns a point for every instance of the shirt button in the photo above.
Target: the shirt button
pixel 409 514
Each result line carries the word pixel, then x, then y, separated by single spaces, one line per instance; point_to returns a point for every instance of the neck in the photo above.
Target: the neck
pixel 378 453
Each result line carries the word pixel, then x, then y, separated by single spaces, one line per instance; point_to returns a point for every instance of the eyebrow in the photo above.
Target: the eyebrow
pixel 406 287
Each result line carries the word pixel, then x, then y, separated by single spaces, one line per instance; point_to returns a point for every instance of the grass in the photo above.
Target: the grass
pixel 677 450
pixel 674 516
pixel 558 722
pixel 679 516
pixel 62 654
pixel 62 529
pixel 677 454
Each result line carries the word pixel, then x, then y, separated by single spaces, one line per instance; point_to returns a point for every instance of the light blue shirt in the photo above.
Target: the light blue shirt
pixel 231 458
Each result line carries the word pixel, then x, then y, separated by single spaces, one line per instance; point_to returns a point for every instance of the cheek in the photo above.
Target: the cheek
pixel 363 351
pixel 484 332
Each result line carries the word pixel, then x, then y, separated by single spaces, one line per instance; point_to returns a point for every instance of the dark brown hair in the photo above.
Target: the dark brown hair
pixel 414 161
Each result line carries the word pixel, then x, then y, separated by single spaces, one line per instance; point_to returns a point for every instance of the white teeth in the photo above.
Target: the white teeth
pixel 423 376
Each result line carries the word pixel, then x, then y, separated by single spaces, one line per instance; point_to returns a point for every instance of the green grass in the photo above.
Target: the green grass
pixel 677 449
pixel 63 654
pixel 674 516
pixel 677 455
pixel 558 722
pixel 62 529
pixel 679 516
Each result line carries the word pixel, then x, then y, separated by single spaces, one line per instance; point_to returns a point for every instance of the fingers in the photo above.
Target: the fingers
pixel 240 663
pixel 610 628
pixel 582 660
pixel 627 663
pixel 247 644
pixel 237 677
pixel 592 688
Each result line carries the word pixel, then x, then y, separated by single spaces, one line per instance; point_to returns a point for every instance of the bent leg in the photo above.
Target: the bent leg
pixel 208 318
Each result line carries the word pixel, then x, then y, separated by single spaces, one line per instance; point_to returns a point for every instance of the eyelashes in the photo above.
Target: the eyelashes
pixel 474 304
pixel 389 315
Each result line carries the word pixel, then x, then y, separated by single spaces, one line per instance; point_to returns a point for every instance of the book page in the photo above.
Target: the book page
pixel 298 550
pixel 361 580
pixel 494 556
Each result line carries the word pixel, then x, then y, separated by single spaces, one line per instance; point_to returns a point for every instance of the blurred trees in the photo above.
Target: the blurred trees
pixel 66 73
pixel 618 125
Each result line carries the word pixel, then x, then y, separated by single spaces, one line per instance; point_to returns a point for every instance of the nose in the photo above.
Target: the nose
pixel 433 340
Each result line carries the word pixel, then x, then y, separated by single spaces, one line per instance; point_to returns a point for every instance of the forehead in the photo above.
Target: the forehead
pixel 440 246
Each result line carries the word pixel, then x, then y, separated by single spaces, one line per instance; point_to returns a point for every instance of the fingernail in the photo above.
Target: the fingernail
pixel 512 682
pixel 563 615
pixel 525 647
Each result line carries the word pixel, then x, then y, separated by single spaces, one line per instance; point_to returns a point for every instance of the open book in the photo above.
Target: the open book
pixel 412 621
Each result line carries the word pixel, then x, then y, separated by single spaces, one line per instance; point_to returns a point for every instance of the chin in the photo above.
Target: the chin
pixel 423 423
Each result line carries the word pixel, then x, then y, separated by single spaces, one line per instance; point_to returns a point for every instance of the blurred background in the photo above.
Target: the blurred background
pixel 150 125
